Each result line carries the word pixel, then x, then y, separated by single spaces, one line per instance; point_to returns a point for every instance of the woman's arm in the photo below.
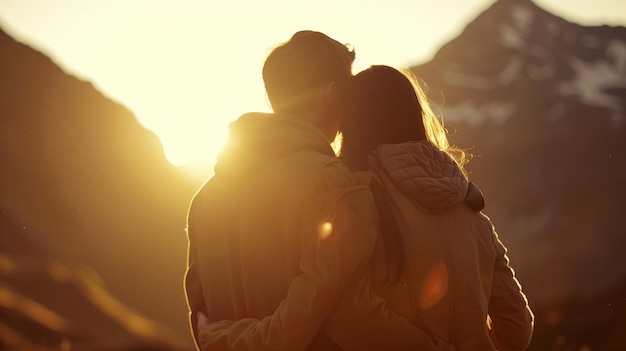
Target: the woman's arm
pixel 512 319
pixel 361 321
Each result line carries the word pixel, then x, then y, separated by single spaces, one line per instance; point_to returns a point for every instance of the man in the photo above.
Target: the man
pixel 281 235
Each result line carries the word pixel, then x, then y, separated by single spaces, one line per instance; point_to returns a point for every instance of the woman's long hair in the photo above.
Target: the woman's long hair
pixel 387 106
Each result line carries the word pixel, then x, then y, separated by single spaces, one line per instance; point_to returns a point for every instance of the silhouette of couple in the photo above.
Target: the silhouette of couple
pixel 381 248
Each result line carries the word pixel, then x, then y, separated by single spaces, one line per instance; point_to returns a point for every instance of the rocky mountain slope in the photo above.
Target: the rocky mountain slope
pixel 82 182
pixel 541 102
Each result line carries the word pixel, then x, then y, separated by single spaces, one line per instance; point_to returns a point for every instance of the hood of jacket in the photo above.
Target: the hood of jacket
pixel 427 175
pixel 258 139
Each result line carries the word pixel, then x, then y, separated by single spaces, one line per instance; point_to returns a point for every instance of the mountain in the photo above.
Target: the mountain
pixel 49 304
pixel 84 184
pixel 541 103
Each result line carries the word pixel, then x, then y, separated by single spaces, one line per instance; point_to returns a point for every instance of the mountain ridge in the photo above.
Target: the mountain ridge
pixel 83 181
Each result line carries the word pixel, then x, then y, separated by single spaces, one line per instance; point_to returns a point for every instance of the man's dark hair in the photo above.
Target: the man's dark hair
pixel 297 70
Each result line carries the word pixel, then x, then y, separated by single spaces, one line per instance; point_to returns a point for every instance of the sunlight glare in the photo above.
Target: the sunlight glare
pixel 195 82
pixel 189 79
pixel 200 61
pixel 187 71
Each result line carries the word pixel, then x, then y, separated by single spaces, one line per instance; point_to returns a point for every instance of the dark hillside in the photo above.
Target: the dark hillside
pixel 84 183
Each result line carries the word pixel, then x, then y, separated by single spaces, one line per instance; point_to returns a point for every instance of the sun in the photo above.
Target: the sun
pixel 193 143
pixel 190 102
pixel 189 130
pixel 202 128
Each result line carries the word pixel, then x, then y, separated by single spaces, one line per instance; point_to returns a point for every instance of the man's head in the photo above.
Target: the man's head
pixel 302 77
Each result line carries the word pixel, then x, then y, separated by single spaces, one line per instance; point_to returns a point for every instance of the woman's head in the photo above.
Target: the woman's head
pixel 386 106
pixel 382 108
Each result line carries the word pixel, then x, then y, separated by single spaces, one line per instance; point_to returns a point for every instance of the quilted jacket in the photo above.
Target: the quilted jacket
pixel 458 283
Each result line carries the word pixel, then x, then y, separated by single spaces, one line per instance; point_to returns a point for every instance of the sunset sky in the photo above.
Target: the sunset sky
pixel 188 68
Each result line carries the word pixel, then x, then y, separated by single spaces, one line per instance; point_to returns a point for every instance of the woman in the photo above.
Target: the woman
pixel 440 263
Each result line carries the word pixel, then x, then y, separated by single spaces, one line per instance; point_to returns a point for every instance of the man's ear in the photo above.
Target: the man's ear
pixel 331 95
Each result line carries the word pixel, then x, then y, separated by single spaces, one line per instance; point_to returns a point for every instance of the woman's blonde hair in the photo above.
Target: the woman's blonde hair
pixel 434 125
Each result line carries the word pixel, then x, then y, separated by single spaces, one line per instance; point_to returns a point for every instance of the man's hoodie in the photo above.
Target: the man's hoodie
pixel 457 271
pixel 257 140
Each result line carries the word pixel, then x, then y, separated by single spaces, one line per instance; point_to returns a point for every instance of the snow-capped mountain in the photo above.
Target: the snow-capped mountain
pixel 516 47
pixel 541 103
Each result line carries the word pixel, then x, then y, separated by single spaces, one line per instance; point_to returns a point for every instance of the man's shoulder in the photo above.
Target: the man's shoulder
pixel 336 174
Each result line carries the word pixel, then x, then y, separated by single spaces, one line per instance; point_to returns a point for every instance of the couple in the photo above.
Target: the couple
pixel 384 248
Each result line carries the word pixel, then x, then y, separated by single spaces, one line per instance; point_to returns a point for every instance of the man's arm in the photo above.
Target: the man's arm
pixel 340 238
pixel 337 255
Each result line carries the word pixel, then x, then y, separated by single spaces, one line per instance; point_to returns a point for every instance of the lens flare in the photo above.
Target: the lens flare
pixel 435 286
pixel 325 230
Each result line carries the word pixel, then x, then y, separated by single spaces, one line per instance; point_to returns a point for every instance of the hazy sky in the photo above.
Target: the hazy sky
pixel 187 68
